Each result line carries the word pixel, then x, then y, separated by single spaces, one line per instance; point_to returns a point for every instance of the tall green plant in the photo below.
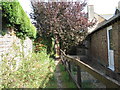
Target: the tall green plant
pixel 13 15
pixel 35 71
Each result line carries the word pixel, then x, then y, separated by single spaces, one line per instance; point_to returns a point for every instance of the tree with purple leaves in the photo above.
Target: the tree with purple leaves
pixel 66 22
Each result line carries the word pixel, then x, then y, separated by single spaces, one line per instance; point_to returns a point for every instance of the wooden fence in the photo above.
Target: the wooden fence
pixel 68 60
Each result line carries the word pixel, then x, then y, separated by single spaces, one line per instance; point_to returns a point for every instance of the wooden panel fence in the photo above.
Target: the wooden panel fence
pixel 68 60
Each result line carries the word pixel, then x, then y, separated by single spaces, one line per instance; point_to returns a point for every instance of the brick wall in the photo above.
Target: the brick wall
pixel 98 47
pixel 13 48
pixel 119 47
pixel 115 42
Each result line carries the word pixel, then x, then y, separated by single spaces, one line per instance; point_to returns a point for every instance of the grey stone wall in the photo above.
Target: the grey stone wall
pixel 14 49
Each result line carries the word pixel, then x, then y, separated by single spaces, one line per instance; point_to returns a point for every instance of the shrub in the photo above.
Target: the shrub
pixel 13 15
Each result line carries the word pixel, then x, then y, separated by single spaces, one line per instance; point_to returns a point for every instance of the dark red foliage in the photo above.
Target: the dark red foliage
pixel 65 19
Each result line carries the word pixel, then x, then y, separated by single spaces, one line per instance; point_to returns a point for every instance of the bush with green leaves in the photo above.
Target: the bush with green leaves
pixel 14 16
pixel 36 71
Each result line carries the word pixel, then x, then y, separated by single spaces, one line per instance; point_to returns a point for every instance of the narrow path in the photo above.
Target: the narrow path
pixel 58 76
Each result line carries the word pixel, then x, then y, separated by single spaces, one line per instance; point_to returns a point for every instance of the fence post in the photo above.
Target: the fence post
pixel 61 57
pixel 69 68
pixel 79 76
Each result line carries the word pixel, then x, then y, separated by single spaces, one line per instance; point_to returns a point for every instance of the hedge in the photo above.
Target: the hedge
pixel 13 15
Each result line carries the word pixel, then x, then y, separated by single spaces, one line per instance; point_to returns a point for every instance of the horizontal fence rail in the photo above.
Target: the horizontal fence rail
pixel 109 82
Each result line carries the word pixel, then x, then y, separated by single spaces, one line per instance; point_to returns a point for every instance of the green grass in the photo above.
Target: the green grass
pixel 67 82
pixel 36 71
pixel 87 84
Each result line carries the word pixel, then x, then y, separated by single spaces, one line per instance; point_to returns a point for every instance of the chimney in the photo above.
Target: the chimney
pixel 119 5
pixel 90 10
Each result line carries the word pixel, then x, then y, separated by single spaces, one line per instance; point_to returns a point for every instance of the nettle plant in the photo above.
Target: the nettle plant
pixel 13 16
pixel 11 63
pixel 12 59
pixel 32 70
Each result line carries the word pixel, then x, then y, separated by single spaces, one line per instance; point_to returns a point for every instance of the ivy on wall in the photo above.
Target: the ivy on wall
pixel 13 15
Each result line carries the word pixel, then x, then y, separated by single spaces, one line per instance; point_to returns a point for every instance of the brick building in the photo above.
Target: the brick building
pixel 103 45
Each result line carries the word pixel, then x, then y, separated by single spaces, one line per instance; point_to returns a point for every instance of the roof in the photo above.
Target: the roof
pixel 106 16
pixel 106 23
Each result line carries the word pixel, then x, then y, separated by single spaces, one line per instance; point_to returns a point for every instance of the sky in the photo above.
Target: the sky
pixel 100 6
pixel 26 5
pixel 104 6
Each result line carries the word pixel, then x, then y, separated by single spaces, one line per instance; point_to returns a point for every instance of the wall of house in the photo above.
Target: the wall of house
pixel 118 46
pixel 98 47
pixel 115 41
pixel 13 49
